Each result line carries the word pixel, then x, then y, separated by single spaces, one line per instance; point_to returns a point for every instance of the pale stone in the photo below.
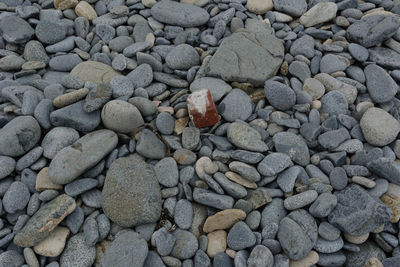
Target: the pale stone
pixel 43 181
pixel 356 239
pixel 259 6
pixel 234 177
pixel 363 181
pixel 199 3
pixel 223 220
pixel 373 262
pixel 65 4
pixel 84 9
pixel 149 3
pixel 392 199
pixel 216 243
pixel 70 98
pixel 320 13
pixel 309 260
pixel 54 244
pixel 93 71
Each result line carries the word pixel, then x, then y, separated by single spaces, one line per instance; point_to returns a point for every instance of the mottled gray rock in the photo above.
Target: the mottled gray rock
pixel 15 30
pixel 273 164
pixel 142 76
pixel 280 96
pixel 236 105
pixel 77 253
pixel 357 213
pixel 240 236
pixel 34 51
pixel 165 123
pixel 293 145
pixel 367 250
pixel 7 166
pixel 150 146
pixel 56 139
pixel 386 168
pixel 385 57
pixel 131 194
pixel 260 256
pixel 381 87
pixel 323 205
pixel 182 57
pixel 50 32
pixel 208 198
pixel 11 258
pixel 97 97
pixel 121 116
pixel 294 8
pixel 16 198
pixel 245 137
pixel 186 244
pixel 167 172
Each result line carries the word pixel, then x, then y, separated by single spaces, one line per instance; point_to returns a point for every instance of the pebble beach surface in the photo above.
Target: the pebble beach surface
pixel 199 133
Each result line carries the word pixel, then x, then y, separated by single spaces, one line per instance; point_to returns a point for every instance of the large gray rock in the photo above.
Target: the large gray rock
pixel 357 213
pixel 85 153
pixel 374 29
pixel 127 249
pixel 298 233
pixel 131 193
pixel 252 55
pixel 15 30
pixel 184 15
pixel 18 136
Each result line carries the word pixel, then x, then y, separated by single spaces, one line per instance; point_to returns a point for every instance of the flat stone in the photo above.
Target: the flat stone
pixel 184 15
pixel 56 139
pixel 280 96
pixel 320 13
pixel 293 8
pixel 121 116
pixel 386 168
pixel 97 97
pixel 292 145
pixel 300 200
pixel 78 253
pixel 259 7
pixel 309 260
pixel 384 57
pixel 208 198
pixel 245 137
pixel 381 87
pixel 379 127
pixel 18 136
pixel 185 246
pixel 150 146
pixel 86 152
pixel 44 221
pixel 323 205
pixel 7 166
pixel 16 197
pixel 127 248
pixel 50 32
pixel 53 245
pixel 84 9
pixel 217 87
pixel 34 51
pixel 93 71
pixel 254 55
pixel 223 220
pixel 236 105
pixel 261 256
pixel 43 181
pixel 216 243
pixel 182 57
pixel 167 172
pixel 131 194
pixel 16 30
pixel 357 212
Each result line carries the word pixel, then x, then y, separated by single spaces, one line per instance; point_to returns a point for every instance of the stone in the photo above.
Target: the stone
pixel 34 51
pixel 273 164
pixel 127 248
pixel 323 205
pixel 182 57
pixel 216 243
pixel 385 57
pixel 260 256
pixel 186 244
pixel 131 194
pixel 248 172
pixel 297 234
pixel 184 15
pixel 259 7
pixel 309 260
pixel 78 253
pixel 11 63
pixel 93 71
pixel 53 245
pixel 167 172
pixel 223 220
pixel 334 103
pixel 64 62
pixel 300 200
pixel 201 108
pixel 145 106
pixel 291 7
pixel 253 56
pixel 303 46
pixel 217 87
pixel 245 137
pixel 320 13
pixel 366 251
pixel 11 258
pixel 50 32
pixel 65 4
pixel 43 181
pixel 379 127
pixel 16 197
pixel 7 166
pixel 85 153
pixel 381 87
pixel 56 139
pixel 84 9
pixel 97 97
pixel 70 98
pixel 357 213
pixel 314 87
pixel 121 116
pixel 373 30
pixel 386 168
pixel 292 145
pixel 236 105
pixel 392 199
pixel 332 63
pixel 141 76
pixel 150 146
pixel 208 198
pixel 15 30
pixel 358 52
pixel 44 221
pixel 165 123
pixel 280 96
pixel 18 136
pixel 240 236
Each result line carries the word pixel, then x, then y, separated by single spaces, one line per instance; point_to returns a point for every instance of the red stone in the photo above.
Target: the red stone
pixel 202 110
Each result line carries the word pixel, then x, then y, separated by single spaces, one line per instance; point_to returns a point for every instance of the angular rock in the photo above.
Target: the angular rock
pixel 15 30
pixel 201 108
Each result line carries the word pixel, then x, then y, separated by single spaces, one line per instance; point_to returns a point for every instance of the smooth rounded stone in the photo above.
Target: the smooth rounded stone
pixel 216 243
pixel 7 166
pixel 381 87
pixel 16 198
pixel 127 248
pixel 119 43
pixel 253 219
pixel 358 52
pixel 332 259
pixel 273 164
pixel 326 246
pixel 379 127
pixel 170 80
pixel 75 117
pixel 385 57
pixel 253 61
pixel 145 106
pixel 44 221
pixel 70 98
pixel 248 172
pixel 217 87
pixel 300 200
pixel 85 153
pixel 42 113
pixel 183 214
pixel 150 146
pixel 121 116
pixel 11 258
pixel 236 105
pixel 18 136
pixel 153 259
pixel 131 194
pixel 223 220
pixel 163 240
pixel 135 48
pixel 233 189
pixel 64 62
pixel 300 70
pixel 332 139
pixel 121 86
pixel 15 30
pixel 388 262
pixel 297 234
pixel 190 138
pixel 34 51
pixel 287 178
pixel 303 46
pixel 80 186
pixel 334 103
pixel 141 76
pixel 311 259
pixel 331 63
pixel 186 244
pixel 182 57
pixel 293 145
pixel 105 32
pixel 11 63
pixel 240 236
pixel 97 97
pixel 260 256
pixel 367 250
pixel 93 71
pixel 56 139
pixel 246 137
pixel 259 7
pixel 184 15
pixel 291 7
pixel 357 212
pixel 50 32
pixel 338 178
pixel 167 172
pixel 279 95
pixel 373 29
pixel 184 157
pixel 314 87
pixel 16 93
pixel 328 232
pixel 208 198
pixel 320 13
pixel 74 221
pixel 53 245
pixel 77 253
pixel 165 123
pixel 323 205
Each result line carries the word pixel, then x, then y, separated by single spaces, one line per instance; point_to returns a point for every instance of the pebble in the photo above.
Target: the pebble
pixel 259 7
pixel 7 166
pixel 84 9
pixel 300 200
pixel 223 220
pixel 167 172
pixel 216 243
pixel 293 145
pixel 217 87
pixel 182 57
pixel 186 244
pixel 321 12
pixel 279 95
pixel 150 146
pixel 16 197
pixel 121 116
pixel 381 87
pixel 53 245
pixel 260 256
pixel 78 253
pixel 240 236
pixel 245 137
pixel 236 105
pixel 56 139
